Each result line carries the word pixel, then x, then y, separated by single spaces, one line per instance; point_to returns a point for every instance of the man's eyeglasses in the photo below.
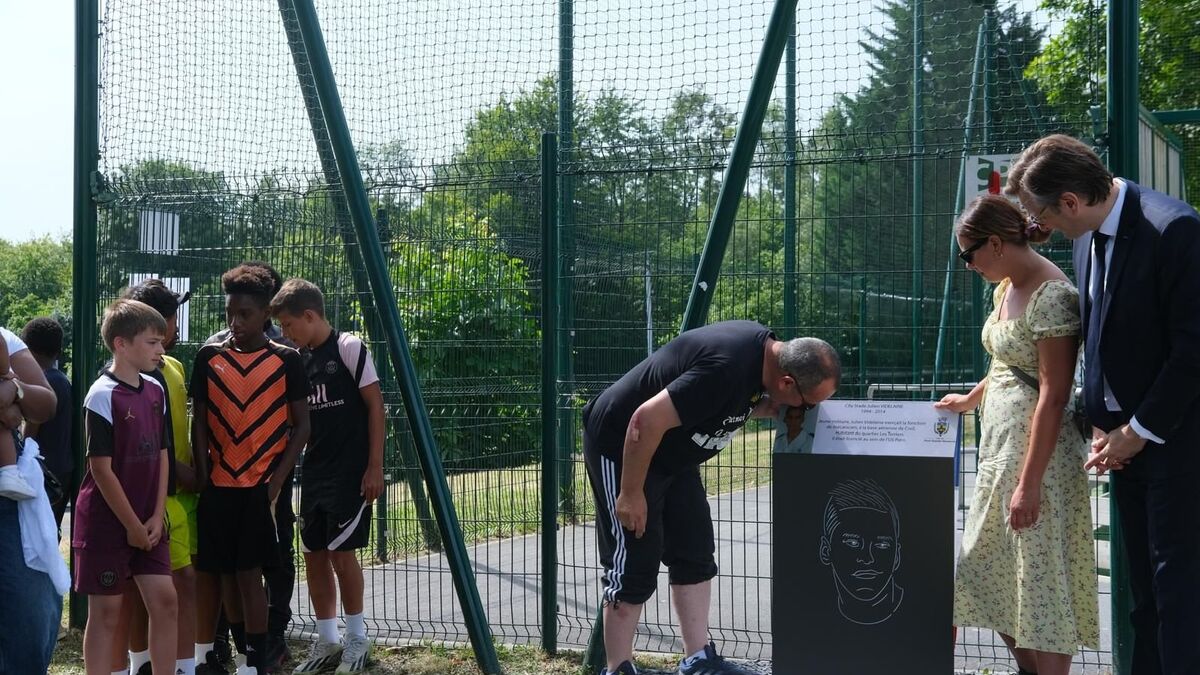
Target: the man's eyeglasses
pixel 1036 221
pixel 805 406
pixel 968 254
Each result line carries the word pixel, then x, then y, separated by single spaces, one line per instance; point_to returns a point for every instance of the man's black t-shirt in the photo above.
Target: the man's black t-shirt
pixel 713 375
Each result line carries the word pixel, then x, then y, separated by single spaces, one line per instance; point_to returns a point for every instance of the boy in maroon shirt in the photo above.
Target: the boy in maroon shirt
pixel 118 534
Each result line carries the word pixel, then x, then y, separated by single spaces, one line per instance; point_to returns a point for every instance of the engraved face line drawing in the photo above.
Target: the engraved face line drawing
pixel 860 543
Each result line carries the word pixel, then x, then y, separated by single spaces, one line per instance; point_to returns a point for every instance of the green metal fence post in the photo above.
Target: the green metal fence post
pixel 550 277
pixel 960 197
pixel 862 334
pixel 84 289
pixel 734 182
pixel 789 182
pixel 362 286
pixel 397 340
pixel 918 181
pixel 1123 106
pixel 566 233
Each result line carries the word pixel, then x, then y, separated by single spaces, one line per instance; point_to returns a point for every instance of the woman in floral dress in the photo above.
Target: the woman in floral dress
pixel 1026 568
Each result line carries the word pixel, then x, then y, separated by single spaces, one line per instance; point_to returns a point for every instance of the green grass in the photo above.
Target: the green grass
pixel 426 659
pixel 506 503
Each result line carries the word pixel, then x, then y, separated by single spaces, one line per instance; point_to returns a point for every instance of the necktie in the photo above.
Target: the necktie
pixel 1093 370
pixel 1096 290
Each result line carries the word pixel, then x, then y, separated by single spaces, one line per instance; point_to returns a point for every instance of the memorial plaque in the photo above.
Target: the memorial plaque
pixel 863 555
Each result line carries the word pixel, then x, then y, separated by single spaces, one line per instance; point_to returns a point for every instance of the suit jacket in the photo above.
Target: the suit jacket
pixel 1150 314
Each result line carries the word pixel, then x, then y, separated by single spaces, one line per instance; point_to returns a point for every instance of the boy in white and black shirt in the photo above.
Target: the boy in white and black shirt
pixel 342 472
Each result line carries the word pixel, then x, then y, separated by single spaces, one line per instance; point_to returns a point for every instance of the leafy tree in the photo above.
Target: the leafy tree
pixel 35 280
pixel 862 184
pixel 1072 69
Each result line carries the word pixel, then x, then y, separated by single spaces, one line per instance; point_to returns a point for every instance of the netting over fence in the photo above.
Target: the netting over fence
pixel 210 156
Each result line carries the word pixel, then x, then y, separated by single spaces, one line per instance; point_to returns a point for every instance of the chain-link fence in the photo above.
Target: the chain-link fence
pixel 213 152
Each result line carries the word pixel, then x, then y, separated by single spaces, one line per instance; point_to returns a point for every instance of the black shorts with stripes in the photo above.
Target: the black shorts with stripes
pixel 679 531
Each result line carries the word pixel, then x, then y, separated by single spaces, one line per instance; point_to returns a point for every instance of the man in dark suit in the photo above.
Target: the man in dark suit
pixel 1137 261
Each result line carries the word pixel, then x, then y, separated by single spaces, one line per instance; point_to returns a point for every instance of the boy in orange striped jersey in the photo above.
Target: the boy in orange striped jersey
pixel 250 421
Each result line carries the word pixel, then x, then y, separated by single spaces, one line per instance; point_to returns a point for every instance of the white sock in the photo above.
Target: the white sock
pixel 202 650
pixel 185 666
pixel 355 625
pixel 120 672
pixel 138 659
pixel 327 630
pixel 694 657
pixel 613 672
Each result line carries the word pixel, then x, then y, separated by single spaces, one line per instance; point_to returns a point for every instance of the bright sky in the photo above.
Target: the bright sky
pixel 406 77
pixel 37 47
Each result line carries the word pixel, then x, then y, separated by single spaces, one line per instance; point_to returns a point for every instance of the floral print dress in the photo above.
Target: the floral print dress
pixel 1038 584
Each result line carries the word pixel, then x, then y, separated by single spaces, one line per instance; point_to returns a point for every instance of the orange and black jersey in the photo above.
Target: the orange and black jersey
pixel 247 395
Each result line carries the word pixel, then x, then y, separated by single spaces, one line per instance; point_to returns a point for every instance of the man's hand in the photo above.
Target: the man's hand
pixel 1024 506
pixel 1113 451
pixel 372 483
pixel 631 511
pixel 154 530
pixel 138 537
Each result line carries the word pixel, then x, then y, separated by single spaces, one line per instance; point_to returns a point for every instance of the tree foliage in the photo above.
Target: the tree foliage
pixel 1072 68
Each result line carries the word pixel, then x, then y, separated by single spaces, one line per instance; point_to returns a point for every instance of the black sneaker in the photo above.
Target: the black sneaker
pixel 146 669
pixel 277 654
pixel 223 649
pixel 211 665
pixel 626 668
pixel 710 664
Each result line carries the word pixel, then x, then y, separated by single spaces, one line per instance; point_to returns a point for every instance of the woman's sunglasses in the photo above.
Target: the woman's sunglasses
pixel 968 254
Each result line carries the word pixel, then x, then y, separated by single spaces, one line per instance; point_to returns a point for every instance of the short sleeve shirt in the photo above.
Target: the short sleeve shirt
pixel 127 424
pixel 54 435
pixel 713 375
pixel 246 395
pixel 176 382
pixel 14 343
pixel 337 369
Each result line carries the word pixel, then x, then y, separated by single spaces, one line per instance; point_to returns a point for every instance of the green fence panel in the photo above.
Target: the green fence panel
pixel 207 158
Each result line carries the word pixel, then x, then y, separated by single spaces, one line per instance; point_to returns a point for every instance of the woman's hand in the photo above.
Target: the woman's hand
pixel 955 403
pixel 1024 505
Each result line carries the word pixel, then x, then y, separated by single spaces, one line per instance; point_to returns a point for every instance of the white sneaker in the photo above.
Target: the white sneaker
pixel 356 655
pixel 14 486
pixel 322 657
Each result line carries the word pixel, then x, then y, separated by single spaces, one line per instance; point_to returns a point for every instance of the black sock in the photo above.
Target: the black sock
pixel 256 651
pixel 238 630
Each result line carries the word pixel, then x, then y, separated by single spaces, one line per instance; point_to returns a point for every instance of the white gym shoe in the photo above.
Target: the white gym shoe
pixel 356 655
pixel 322 657
pixel 14 486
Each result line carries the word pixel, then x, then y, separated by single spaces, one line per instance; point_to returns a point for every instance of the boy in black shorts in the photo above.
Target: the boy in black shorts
pixel 250 421
pixel 342 472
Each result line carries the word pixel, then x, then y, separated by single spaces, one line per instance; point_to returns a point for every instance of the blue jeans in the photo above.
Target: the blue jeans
pixel 30 608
